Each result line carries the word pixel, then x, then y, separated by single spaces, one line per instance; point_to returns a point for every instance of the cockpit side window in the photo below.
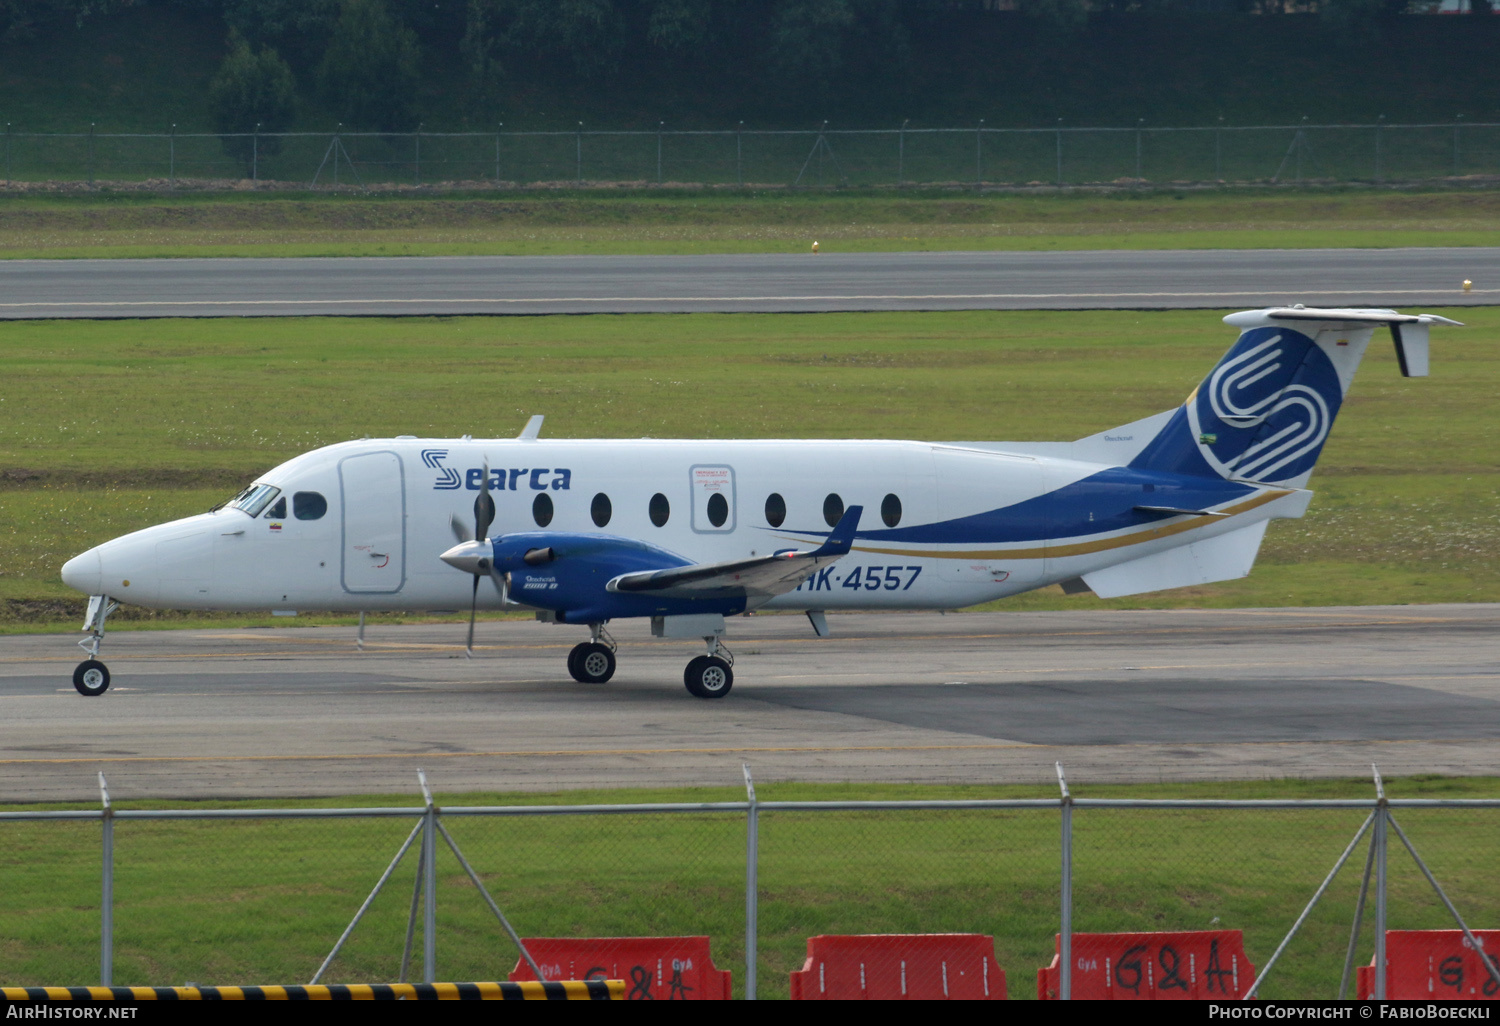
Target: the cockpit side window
pixel 277 510
pixel 309 505
pixel 255 498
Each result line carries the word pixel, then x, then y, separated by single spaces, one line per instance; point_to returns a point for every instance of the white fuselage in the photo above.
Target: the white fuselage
pixel 387 506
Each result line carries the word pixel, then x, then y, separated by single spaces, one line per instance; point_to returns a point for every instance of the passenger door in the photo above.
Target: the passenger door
pixel 372 488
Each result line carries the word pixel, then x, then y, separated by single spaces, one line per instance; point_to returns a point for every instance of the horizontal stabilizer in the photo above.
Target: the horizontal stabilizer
pixel 1173 511
pixel 1222 558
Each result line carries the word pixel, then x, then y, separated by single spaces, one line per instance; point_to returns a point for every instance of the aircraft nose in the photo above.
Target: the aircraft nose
pixel 83 573
pixel 471 557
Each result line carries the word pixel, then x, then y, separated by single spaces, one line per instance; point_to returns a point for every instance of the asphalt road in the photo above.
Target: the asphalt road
pixel 972 698
pixel 396 286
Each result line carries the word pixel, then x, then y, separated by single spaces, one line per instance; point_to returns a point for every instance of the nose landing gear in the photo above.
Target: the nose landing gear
pixel 91 677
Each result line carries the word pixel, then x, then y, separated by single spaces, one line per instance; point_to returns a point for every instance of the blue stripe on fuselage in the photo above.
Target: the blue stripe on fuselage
pixel 1097 504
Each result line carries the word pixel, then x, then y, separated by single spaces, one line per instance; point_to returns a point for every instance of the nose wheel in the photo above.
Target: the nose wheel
pixel 91 677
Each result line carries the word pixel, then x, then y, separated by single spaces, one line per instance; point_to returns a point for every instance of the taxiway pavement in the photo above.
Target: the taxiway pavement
pixel 970 697
pixel 755 282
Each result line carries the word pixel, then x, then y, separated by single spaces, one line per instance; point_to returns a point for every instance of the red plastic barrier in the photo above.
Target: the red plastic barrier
pixel 900 966
pixel 1433 965
pixel 653 968
pixel 1195 965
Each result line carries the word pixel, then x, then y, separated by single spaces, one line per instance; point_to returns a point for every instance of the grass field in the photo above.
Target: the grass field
pixel 261 901
pixel 695 221
pixel 111 426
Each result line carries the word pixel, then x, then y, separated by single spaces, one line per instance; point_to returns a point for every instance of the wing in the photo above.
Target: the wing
pixel 759 579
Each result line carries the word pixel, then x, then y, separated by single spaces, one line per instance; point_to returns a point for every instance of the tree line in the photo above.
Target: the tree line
pixel 365 61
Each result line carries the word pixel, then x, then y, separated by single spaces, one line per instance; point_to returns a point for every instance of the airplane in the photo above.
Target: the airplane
pixel 687 533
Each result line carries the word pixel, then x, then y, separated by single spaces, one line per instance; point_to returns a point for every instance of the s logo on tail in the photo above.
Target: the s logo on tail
pixel 1266 409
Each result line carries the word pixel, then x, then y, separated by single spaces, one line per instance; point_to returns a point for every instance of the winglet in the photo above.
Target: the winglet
pixel 532 429
pixel 842 536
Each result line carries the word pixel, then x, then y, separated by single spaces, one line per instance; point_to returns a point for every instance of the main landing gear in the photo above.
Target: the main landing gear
pixel 593 662
pixel 708 676
pixel 91 677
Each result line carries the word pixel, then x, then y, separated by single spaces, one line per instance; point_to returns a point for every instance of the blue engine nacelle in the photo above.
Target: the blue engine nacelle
pixel 566 573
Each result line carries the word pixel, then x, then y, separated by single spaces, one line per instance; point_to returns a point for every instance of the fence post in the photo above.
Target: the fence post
pixel 1059 153
pixel 660 126
pixel 1457 124
pixel 901 156
pixel 7 154
pixel 1379 124
pixel 739 154
pixel 578 153
pixel 255 154
pixel 1219 151
pixel 107 899
pixel 91 154
pixel 171 159
pixel 417 172
pixel 1138 123
pixel 979 157
pixel 1382 810
pixel 1065 926
pixel 429 885
pixel 752 884
pixel 499 126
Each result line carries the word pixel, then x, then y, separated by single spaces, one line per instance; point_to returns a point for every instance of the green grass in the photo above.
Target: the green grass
pixel 261 901
pixel 691 222
pixel 111 426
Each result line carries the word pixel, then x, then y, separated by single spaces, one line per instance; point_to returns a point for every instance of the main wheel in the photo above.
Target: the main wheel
pixel 708 677
pixel 591 663
pixel 91 678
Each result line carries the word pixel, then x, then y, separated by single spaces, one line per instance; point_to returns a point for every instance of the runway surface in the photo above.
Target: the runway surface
pixel 972 698
pixel 747 282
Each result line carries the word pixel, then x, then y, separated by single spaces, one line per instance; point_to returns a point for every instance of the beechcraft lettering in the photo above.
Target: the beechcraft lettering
pixel 685 533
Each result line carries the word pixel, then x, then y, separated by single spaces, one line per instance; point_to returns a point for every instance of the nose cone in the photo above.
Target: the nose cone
pixel 470 557
pixel 83 573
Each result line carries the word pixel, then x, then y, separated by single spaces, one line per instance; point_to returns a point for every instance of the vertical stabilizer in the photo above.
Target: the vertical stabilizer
pixel 1264 412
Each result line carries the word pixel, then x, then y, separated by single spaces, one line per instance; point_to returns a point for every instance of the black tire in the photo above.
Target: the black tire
pixel 708 677
pixel 592 663
pixel 573 654
pixel 91 678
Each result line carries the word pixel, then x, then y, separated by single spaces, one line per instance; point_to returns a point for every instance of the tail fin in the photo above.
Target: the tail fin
pixel 1265 410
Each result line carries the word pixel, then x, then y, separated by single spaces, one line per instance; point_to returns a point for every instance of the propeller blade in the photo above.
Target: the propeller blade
pixel 473 608
pixel 459 528
pixel 484 507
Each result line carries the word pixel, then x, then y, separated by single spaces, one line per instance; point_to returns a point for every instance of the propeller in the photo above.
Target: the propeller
pixel 484 516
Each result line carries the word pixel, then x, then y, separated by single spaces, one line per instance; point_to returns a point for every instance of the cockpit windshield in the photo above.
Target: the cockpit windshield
pixel 254 499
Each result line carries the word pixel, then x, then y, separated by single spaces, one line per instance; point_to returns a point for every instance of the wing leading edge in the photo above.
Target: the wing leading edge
pixel 759 578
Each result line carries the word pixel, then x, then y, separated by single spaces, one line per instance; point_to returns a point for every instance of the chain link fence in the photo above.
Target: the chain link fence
pixel 976 157
pixel 238 896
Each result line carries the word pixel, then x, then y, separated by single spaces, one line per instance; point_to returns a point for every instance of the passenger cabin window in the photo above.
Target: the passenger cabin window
pixel 309 505
pixel 833 508
pixel 660 509
pixel 718 509
pixel 601 510
pixel 890 510
pixel 254 499
pixel 775 509
pixel 541 510
pixel 277 510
